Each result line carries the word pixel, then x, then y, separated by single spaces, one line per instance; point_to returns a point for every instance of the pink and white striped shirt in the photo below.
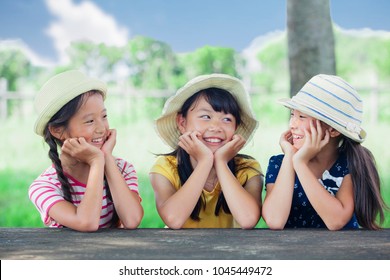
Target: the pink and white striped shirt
pixel 46 191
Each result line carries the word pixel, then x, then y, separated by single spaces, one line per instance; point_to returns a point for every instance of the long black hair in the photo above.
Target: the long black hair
pixel 61 120
pixel 366 184
pixel 221 101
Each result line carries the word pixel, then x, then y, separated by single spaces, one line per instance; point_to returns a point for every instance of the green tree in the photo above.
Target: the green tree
pixel 207 60
pixel 359 55
pixel 98 59
pixel 152 63
pixel 383 60
pixel 13 66
pixel 274 69
pixel 153 68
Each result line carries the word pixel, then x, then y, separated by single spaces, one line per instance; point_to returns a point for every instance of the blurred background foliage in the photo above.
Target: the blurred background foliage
pixel 145 63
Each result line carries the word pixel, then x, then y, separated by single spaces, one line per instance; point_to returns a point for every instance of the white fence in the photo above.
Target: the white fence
pixel 22 103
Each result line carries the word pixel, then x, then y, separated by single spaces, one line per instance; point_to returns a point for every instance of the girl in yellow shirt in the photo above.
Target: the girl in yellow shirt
pixel 204 182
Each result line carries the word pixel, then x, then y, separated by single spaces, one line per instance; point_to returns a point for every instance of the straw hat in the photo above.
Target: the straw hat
pixel 333 101
pixel 166 126
pixel 58 91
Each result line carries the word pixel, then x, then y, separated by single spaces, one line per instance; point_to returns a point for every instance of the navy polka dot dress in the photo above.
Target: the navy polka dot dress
pixel 302 214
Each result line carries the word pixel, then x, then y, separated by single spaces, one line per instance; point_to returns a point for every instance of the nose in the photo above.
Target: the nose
pixel 100 127
pixel 214 126
pixel 293 122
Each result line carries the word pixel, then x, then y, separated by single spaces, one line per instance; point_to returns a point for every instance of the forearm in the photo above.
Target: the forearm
pixel 126 202
pixel 245 208
pixel 177 208
pixel 277 204
pixel 89 210
pixel 331 210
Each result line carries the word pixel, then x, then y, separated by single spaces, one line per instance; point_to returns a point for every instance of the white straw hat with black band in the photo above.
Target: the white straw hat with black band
pixel 332 100
pixel 166 126
pixel 58 91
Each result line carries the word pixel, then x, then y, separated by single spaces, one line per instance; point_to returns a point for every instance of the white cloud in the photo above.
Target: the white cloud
pixel 83 21
pixel 365 32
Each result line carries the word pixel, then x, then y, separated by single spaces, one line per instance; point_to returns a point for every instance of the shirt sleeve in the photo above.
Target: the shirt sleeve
pixel 273 169
pixel 166 168
pixel 44 193
pixel 253 169
pixel 129 174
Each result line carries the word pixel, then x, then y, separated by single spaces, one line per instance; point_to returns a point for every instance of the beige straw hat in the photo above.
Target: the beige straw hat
pixel 333 101
pixel 58 91
pixel 166 126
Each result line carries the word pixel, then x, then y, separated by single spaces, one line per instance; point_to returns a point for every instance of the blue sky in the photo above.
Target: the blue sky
pixel 47 26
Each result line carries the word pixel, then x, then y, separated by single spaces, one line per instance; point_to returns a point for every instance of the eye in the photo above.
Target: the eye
pixel 89 121
pixel 294 114
pixel 302 116
pixel 206 117
pixel 227 119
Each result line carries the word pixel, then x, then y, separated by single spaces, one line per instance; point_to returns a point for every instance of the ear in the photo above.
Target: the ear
pixel 181 123
pixel 57 132
pixel 333 132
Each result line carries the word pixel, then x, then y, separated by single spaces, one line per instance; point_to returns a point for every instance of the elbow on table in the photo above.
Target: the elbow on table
pixel 88 226
pixel 132 223
pixel 250 222
pixel 248 226
pixel 274 224
pixel 334 226
pixel 173 222
pixel 272 221
pixel 174 225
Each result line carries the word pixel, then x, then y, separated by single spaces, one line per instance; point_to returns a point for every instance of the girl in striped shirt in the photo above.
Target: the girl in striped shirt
pixel 86 188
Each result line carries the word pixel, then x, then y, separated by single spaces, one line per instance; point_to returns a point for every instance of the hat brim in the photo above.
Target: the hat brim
pixel 52 108
pixel 289 103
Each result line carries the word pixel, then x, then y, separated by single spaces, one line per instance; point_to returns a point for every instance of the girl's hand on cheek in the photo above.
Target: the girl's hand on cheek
pixel 315 140
pixel 79 149
pixel 230 149
pixel 110 143
pixel 286 142
pixel 191 143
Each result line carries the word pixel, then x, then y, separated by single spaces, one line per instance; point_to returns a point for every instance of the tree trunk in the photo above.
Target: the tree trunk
pixel 310 41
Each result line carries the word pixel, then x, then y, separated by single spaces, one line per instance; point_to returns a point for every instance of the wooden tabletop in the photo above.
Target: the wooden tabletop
pixel 193 244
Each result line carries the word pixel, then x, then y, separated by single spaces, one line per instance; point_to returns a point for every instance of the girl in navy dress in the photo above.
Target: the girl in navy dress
pixel 325 178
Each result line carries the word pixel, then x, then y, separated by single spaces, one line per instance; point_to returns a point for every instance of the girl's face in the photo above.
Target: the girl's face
pixel 299 122
pixel 216 128
pixel 90 121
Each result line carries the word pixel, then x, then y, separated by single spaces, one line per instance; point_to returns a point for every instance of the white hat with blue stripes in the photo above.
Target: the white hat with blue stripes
pixel 332 100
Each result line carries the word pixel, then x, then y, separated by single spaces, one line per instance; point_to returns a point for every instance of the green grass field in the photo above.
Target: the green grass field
pixel 24 157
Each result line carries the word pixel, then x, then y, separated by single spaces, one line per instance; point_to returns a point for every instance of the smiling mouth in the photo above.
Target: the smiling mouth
pixel 212 140
pixel 98 140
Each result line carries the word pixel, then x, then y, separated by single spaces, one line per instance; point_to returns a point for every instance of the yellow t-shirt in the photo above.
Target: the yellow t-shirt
pixel 167 166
